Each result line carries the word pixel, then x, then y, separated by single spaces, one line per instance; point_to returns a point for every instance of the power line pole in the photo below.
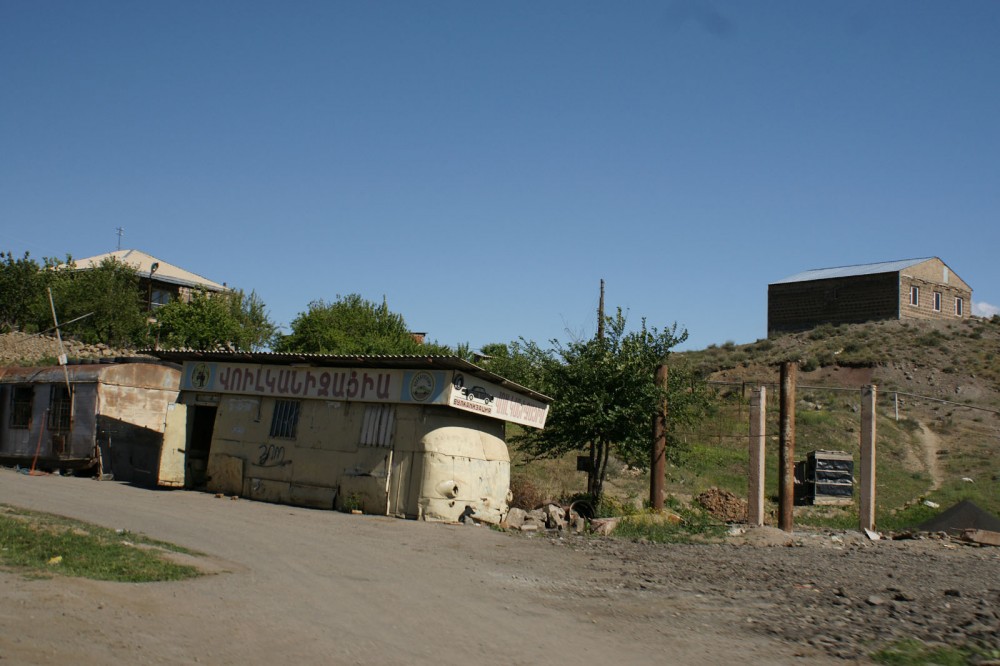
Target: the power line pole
pixel 121 232
pixel 600 314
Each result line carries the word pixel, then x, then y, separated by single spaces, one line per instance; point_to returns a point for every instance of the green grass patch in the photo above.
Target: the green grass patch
pixel 45 544
pixel 914 653
pixel 696 525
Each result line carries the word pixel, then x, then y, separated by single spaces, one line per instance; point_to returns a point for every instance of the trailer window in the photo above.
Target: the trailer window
pixel 60 408
pixel 21 398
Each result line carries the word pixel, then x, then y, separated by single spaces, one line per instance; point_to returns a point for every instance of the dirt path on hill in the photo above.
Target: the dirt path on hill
pixel 931 445
pixel 291 585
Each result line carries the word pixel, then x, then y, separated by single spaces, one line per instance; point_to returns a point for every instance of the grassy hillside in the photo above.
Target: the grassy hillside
pixel 938 418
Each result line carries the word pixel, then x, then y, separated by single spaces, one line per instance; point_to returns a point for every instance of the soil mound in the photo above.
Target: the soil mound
pixel 724 505
pixel 963 516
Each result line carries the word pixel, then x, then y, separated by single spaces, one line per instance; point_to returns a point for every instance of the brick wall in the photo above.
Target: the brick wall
pixel 803 305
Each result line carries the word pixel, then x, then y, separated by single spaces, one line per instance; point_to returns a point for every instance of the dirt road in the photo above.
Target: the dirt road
pixel 292 585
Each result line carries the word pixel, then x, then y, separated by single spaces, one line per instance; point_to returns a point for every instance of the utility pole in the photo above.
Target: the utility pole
pixel 121 232
pixel 657 466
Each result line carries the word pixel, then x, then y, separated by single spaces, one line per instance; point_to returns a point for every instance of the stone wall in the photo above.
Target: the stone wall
pixel 27 350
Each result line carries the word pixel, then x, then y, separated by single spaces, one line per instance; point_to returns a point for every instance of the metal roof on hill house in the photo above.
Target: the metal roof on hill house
pixel 851 271
pixel 143 263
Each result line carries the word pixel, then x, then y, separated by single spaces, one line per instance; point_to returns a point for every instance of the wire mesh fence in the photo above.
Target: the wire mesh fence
pixel 917 439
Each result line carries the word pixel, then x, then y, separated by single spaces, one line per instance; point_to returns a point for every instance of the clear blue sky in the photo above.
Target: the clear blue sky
pixel 483 165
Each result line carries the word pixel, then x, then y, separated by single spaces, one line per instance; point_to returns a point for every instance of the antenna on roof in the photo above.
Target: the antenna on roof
pixel 121 232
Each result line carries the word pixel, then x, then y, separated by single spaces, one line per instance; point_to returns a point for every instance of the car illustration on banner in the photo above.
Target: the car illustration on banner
pixel 477 393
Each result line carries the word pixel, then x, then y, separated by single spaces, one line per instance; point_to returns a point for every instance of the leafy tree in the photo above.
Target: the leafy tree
pixel 21 287
pixel 352 325
pixel 106 300
pixel 605 396
pixel 233 320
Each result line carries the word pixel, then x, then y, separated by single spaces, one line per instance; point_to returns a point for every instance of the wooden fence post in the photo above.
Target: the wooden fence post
pixel 786 460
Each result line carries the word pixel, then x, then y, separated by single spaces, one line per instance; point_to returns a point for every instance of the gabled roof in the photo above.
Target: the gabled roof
pixel 850 271
pixel 143 263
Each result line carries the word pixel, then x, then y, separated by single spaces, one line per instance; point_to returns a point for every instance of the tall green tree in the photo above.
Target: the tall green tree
pixel 21 287
pixel 106 300
pixel 234 320
pixel 352 325
pixel 605 396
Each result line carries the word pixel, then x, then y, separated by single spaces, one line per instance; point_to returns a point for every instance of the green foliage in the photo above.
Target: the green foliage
pixel 695 524
pixel 106 301
pixel 912 652
pixel 605 395
pixel 351 325
pixel 21 288
pixel 233 320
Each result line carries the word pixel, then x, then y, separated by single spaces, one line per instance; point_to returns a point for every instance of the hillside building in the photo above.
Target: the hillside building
pixel 160 281
pixel 915 289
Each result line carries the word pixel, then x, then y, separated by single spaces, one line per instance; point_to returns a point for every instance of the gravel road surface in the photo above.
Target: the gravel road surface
pixel 292 585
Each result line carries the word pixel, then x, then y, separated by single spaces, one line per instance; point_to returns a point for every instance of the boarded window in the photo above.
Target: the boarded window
pixel 60 408
pixel 21 398
pixel 914 296
pixel 285 420
pixel 937 301
pixel 959 307
pixel 377 427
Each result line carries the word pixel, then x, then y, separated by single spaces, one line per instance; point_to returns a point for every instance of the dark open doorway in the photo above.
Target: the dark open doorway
pixel 200 445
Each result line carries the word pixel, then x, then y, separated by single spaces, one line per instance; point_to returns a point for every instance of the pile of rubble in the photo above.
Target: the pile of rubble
pixel 24 349
pixel 548 517
pixel 724 505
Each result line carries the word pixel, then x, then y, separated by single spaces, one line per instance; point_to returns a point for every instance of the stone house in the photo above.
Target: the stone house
pixel 160 281
pixel 911 289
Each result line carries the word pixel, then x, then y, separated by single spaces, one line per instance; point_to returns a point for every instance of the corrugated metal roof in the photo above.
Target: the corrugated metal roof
pixel 849 271
pixel 143 263
pixel 427 362
pixel 78 373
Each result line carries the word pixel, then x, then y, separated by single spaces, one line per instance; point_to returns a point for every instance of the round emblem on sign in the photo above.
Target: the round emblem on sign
pixel 422 386
pixel 200 375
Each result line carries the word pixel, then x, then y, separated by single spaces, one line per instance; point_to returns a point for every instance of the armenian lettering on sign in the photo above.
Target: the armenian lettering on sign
pixel 367 385
pixel 428 387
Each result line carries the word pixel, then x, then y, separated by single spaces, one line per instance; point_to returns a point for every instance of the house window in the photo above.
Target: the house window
pixel 959 307
pixel 285 419
pixel 377 427
pixel 158 298
pixel 915 296
pixel 60 408
pixel 937 301
pixel 21 398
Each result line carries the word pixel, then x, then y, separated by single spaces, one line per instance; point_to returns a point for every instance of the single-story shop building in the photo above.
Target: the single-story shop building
pixel 411 436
